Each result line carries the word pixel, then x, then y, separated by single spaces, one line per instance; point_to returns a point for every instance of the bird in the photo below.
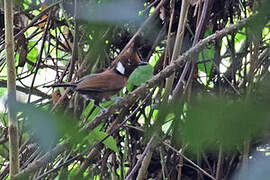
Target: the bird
pixel 103 85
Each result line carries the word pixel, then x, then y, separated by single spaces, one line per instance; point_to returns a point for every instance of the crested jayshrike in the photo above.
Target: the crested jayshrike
pixel 109 82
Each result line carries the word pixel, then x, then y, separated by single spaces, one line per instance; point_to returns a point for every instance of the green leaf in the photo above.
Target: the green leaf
pixel 110 142
pixel 140 75
pixel 240 35
pixel 2 91
pixel 205 67
pixel 209 121
pixel 206 54
pixel 219 119
pixel 87 110
pixel 17 56
pixel 155 57
pixel 33 54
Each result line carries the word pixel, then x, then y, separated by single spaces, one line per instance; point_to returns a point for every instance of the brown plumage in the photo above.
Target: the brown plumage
pixel 107 83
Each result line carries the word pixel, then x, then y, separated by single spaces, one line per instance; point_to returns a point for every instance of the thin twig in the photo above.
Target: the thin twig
pixel 140 160
pixel 140 91
pixel 220 154
pixel 137 93
pixel 147 21
pixel 36 19
pixel 112 131
pixel 177 45
pixel 44 37
pixel 190 161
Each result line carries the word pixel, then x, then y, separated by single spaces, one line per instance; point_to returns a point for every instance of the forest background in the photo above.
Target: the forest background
pixel 199 110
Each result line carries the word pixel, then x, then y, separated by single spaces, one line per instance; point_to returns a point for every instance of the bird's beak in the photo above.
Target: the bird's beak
pixel 142 63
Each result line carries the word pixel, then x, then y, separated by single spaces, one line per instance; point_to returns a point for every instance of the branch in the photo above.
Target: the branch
pixel 138 164
pixel 173 67
pixel 74 57
pixel 36 92
pixel 36 19
pixel 148 20
pixel 43 161
pixel 11 85
pixel 188 160
pixel 178 44
pixel 39 60
pixel 137 93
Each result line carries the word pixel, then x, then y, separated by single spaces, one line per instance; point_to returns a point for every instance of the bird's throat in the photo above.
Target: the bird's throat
pixel 120 68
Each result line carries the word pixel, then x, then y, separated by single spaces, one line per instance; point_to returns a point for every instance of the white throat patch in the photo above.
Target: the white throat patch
pixel 120 68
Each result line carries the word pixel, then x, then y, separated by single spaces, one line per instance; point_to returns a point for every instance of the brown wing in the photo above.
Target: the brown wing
pixel 105 81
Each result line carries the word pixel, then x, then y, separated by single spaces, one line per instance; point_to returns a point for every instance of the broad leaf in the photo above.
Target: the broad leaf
pixel 139 76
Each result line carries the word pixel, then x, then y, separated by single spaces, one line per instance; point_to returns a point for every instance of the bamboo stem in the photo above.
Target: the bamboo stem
pixel 11 85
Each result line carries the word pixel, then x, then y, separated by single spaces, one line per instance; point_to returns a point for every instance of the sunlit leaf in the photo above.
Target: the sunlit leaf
pixel 207 54
pixel 33 54
pixel 240 35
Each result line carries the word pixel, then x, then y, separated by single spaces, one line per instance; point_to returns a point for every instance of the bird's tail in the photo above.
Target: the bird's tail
pixel 61 85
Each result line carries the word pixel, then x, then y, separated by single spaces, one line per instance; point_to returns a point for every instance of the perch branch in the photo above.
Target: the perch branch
pixel 137 93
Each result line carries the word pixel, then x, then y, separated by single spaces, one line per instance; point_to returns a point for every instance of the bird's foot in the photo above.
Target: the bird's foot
pixel 102 109
pixel 116 99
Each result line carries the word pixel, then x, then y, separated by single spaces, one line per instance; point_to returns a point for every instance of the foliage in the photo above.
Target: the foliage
pixel 140 75
pixel 219 116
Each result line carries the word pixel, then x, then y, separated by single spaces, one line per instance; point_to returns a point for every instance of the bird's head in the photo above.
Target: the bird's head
pixel 128 62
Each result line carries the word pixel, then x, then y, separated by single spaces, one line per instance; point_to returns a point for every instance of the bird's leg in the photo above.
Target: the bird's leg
pixel 116 99
pixel 102 109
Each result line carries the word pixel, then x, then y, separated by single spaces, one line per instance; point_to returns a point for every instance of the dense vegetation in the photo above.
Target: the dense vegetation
pixel 200 110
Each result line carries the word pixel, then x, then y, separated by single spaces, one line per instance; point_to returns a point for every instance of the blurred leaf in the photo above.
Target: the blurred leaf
pixel 256 22
pixel 155 57
pixel 2 91
pixel 140 75
pixel 113 12
pixel 17 56
pixel 47 128
pixel 166 111
pixel 218 119
pixel 209 120
pixel 258 168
